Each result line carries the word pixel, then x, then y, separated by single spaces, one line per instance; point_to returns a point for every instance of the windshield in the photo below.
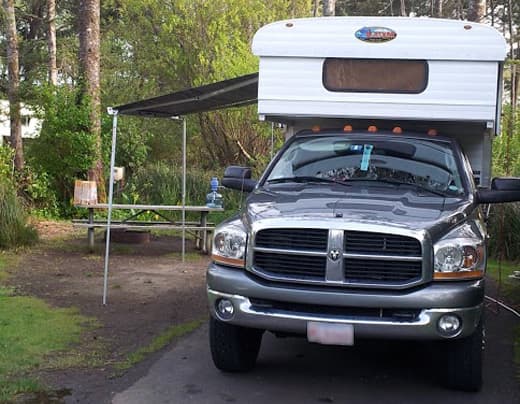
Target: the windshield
pixel 424 164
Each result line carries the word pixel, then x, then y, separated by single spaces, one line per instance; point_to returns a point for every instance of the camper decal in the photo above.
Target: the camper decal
pixel 375 34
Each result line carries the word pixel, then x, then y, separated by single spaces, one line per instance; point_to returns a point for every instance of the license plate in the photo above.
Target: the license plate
pixel 330 333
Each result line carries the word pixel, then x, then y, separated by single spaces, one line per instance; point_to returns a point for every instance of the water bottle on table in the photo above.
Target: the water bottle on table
pixel 214 199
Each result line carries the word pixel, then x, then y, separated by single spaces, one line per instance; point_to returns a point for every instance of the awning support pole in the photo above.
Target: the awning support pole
pixel 112 112
pixel 183 188
pixel 178 118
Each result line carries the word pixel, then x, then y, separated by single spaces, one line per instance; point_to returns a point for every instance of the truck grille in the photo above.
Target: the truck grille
pixel 379 243
pixel 367 313
pixel 293 239
pixel 366 270
pixel 368 259
pixel 305 267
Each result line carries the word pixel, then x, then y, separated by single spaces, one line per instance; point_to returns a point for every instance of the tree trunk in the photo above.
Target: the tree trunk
pixel 315 8
pixel 51 41
pixel 403 9
pixel 476 10
pixel 329 8
pixel 14 83
pixel 437 12
pixel 89 55
pixel 513 90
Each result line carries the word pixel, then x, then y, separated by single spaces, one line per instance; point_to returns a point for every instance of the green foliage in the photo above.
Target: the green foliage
pixel 504 228
pixel 132 144
pixel 39 192
pixel 504 222
pixel 14 230
pixel 155 46
pixel 506 148
pixel 160 183
pixel 64 151
pixel 6 163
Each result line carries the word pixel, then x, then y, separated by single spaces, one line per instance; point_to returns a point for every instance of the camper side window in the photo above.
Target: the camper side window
pixel 375 75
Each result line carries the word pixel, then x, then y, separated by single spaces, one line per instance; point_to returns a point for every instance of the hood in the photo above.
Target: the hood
pixel 375 205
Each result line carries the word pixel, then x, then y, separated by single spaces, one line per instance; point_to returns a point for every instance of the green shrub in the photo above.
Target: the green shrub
pixel 504 229
pixel 40 194
pixel 160 183
pixel 64 151
pixel 504 220
pixel 14 230
pixel 6 164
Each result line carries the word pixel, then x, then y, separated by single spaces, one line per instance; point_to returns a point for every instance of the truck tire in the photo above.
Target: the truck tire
pixel 464 361
pixel 233 348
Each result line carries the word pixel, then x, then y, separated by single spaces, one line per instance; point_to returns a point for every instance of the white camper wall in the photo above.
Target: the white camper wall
pixel 456 91
pixel 464 62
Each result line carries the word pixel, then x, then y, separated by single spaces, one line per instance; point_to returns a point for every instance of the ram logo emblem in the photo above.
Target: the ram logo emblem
pixel 334 254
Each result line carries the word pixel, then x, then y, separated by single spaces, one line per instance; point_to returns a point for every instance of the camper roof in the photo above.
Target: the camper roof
pixel 415 38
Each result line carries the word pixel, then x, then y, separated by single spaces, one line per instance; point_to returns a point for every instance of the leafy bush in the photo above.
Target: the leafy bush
pixel 6 163
pixel 39 193
pixel 504 228
pixel 64 150
pixel 159 183
pixel 13 228
pixel 504 220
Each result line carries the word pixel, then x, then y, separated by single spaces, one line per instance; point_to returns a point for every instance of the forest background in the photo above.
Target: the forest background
pixel 74 58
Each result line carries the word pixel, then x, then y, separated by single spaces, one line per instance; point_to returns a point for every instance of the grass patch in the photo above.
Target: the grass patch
pixel 31 330
pixel 11 388
pixel 158 343
pixel 509 288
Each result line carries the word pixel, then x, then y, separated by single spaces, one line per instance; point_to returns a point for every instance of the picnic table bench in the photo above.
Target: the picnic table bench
pixel 201 229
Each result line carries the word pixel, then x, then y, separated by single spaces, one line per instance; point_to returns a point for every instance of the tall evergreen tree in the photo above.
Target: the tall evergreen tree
pixel 51 41
pixel 89 56
pixel 13 89
pixel 329 7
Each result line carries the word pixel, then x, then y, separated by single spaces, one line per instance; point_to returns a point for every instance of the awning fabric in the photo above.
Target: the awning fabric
pixel 234 92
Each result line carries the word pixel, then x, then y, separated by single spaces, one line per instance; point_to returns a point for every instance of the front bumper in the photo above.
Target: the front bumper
pixel 464 299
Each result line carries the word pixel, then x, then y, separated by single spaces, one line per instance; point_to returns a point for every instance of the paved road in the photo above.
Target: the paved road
pixel 293 371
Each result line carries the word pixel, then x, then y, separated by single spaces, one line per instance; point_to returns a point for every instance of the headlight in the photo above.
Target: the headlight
pixel 459 258
pixel 229 244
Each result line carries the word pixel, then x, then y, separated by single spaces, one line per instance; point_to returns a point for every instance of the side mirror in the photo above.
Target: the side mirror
pixel 502 190
pixel 238 178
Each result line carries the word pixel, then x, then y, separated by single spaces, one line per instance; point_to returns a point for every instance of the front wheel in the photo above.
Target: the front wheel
pixel 233 348
pixel 464 361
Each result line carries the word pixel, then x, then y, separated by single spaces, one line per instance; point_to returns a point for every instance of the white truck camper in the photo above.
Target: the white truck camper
pixel 368 223
pixel 415 73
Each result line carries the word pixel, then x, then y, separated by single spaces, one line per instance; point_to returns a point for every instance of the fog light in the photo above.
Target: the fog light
pixel 225 309
pixel 449 325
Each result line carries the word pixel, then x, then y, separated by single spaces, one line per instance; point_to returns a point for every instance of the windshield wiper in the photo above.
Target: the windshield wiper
pixel 306 178
pixel 396 182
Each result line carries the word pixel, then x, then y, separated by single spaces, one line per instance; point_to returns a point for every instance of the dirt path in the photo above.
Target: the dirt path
pixel 150 289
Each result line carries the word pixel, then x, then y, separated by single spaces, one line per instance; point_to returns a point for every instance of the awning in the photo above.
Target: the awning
pixel 234 92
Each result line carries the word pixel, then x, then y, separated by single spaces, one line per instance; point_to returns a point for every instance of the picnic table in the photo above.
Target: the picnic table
pixel 201 229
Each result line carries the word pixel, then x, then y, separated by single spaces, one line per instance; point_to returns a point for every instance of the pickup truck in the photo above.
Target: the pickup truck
pixel 373 228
